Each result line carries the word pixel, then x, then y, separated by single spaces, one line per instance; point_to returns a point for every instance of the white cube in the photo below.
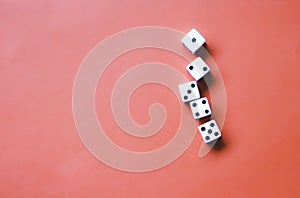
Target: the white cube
pixel 189 91
pixel 209 131
pixel 193 40
pixel 198 68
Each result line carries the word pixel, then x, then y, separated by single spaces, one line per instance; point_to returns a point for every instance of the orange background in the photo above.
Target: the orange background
pixel 256 45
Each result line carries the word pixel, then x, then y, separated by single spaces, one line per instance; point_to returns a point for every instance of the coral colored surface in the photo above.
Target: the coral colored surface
pixel 256 45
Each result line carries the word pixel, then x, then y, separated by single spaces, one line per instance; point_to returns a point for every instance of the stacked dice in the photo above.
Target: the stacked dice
pixel 189 91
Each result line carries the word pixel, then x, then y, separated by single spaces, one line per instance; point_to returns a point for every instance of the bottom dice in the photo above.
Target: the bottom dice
pixel 209 131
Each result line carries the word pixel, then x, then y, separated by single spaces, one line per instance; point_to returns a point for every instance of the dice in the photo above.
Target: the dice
pixel 209 131
pixel 189 91
pixel 193 40
pixel 197 68
pixel 200 108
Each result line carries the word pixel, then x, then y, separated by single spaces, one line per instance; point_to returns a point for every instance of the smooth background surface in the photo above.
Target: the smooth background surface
pixel 256 45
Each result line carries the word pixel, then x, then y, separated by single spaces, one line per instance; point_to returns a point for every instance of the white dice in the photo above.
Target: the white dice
pixel 200 108
pixel 193 40
pixel 189 91
pixel 197 68
pixel 209 131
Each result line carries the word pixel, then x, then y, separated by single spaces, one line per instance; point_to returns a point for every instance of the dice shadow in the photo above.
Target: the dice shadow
pixel 219 145
pixel 203 52
pixel 205 82
pixel 204 119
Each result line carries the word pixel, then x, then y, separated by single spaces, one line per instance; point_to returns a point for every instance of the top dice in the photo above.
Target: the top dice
pixel 193 40
pixel 197 68
pixel 189 91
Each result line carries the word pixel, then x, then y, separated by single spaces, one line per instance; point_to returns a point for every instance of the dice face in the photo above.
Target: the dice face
pixel 189 91
pixel 200 108
pixel 193 40
pixel 209 131
pixel 197 68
